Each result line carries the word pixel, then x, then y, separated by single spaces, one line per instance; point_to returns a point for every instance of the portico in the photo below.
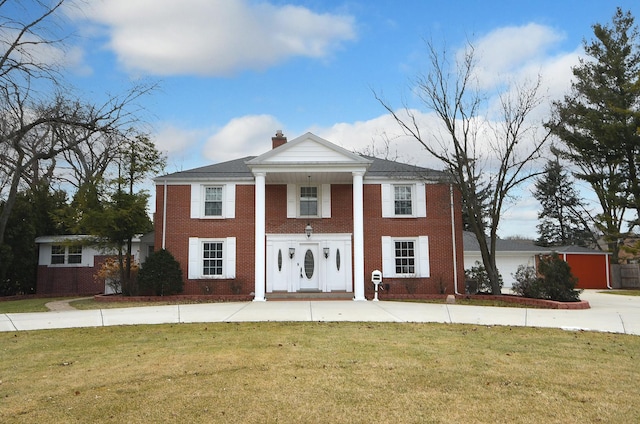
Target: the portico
pixel 322 260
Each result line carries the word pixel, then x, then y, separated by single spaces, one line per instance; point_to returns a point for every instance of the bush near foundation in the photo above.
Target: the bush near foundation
pixel 554 280
pixel 161 274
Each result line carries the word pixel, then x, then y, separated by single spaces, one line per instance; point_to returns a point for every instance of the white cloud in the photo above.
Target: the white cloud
pixel 243 136
pixel 510 53
pixel 172 139
pixel 214 37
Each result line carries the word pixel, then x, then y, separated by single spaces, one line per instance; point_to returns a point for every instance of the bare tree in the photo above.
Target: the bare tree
pixel 39 118
pixel 487 158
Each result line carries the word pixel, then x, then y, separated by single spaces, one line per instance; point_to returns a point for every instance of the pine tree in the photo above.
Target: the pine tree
pixel 560 218
pixel 598 122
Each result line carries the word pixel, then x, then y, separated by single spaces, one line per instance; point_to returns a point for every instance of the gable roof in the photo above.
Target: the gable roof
pixel 284 156
pixel 233 169
pixel 470 243
pixel 310 149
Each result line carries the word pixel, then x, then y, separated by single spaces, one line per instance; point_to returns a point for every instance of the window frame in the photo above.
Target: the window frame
pixel 421 257
pixel 65 255
pixel 60 254
pixel 309 200
pixel 409 260
pixel 197 252
pixel 215 263
pixel 198 200
pixel 205 201
pixel 418 199
pixel 407 188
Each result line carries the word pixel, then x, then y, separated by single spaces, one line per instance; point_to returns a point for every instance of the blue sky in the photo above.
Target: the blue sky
pixel 232 72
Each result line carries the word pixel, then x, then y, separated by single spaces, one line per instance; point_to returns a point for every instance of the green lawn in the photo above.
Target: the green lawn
pixel 318 372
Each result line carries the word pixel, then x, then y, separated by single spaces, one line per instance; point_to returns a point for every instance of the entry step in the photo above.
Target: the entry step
pixel 309 295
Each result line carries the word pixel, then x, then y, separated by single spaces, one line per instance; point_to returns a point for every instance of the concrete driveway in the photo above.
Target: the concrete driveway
pixel 610 313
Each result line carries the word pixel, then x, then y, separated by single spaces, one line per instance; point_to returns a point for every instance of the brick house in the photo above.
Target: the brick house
pixel 67 264
pixel 310 216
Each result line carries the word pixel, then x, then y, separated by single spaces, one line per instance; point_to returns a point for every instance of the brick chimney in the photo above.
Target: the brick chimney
pixel 278 140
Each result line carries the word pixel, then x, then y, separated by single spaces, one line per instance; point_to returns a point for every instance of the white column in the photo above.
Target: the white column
pixel 259 261
pixel 358 238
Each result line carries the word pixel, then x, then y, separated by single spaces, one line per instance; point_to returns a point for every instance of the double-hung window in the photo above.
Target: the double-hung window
pixel 57 254
pixel 308 201
pixel 213 201
pixel 402 200
pixel 405 257
pixel 75 255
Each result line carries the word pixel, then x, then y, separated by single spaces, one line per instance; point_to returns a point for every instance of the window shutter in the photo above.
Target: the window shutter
pixel 387 200
pixel 423 259
pixel 420 201
pixel 292 198
pixel 195 262
pixel 229 198
pixel 195 200
pixel 230 258
pixel 326 200
pixel 388 257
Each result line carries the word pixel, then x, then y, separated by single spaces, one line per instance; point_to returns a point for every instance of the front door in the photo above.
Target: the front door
pixel 308 267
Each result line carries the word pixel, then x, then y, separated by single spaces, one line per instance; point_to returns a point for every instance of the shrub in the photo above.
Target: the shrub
pixel 109 273
pixel 527 284
pixel 161 274
pixel 553 282
pixel 559 283
pixel 479 275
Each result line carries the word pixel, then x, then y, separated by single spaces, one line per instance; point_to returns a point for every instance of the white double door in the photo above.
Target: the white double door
pixel 295 263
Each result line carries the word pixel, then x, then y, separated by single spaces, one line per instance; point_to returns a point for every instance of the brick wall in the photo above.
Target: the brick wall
pixel 437 226
pixel 69 279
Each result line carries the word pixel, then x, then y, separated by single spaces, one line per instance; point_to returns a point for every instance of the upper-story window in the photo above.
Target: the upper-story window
pixel 402 200
pixel 308 201
pixel 61 254
pixel 213 201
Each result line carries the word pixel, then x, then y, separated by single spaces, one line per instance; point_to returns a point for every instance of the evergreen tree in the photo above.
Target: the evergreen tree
pixel 598 122
pixel 560 218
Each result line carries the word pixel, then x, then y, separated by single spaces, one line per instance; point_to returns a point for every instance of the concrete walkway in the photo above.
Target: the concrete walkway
pixel 610 313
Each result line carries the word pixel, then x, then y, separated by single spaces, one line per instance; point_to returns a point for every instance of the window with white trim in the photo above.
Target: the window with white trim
pixel 402 200
pixel 61 254
pixel 308 201
pixel 404 257
pixel 212 258
pixel 74 254
pixel 57 254
pixel 213 201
